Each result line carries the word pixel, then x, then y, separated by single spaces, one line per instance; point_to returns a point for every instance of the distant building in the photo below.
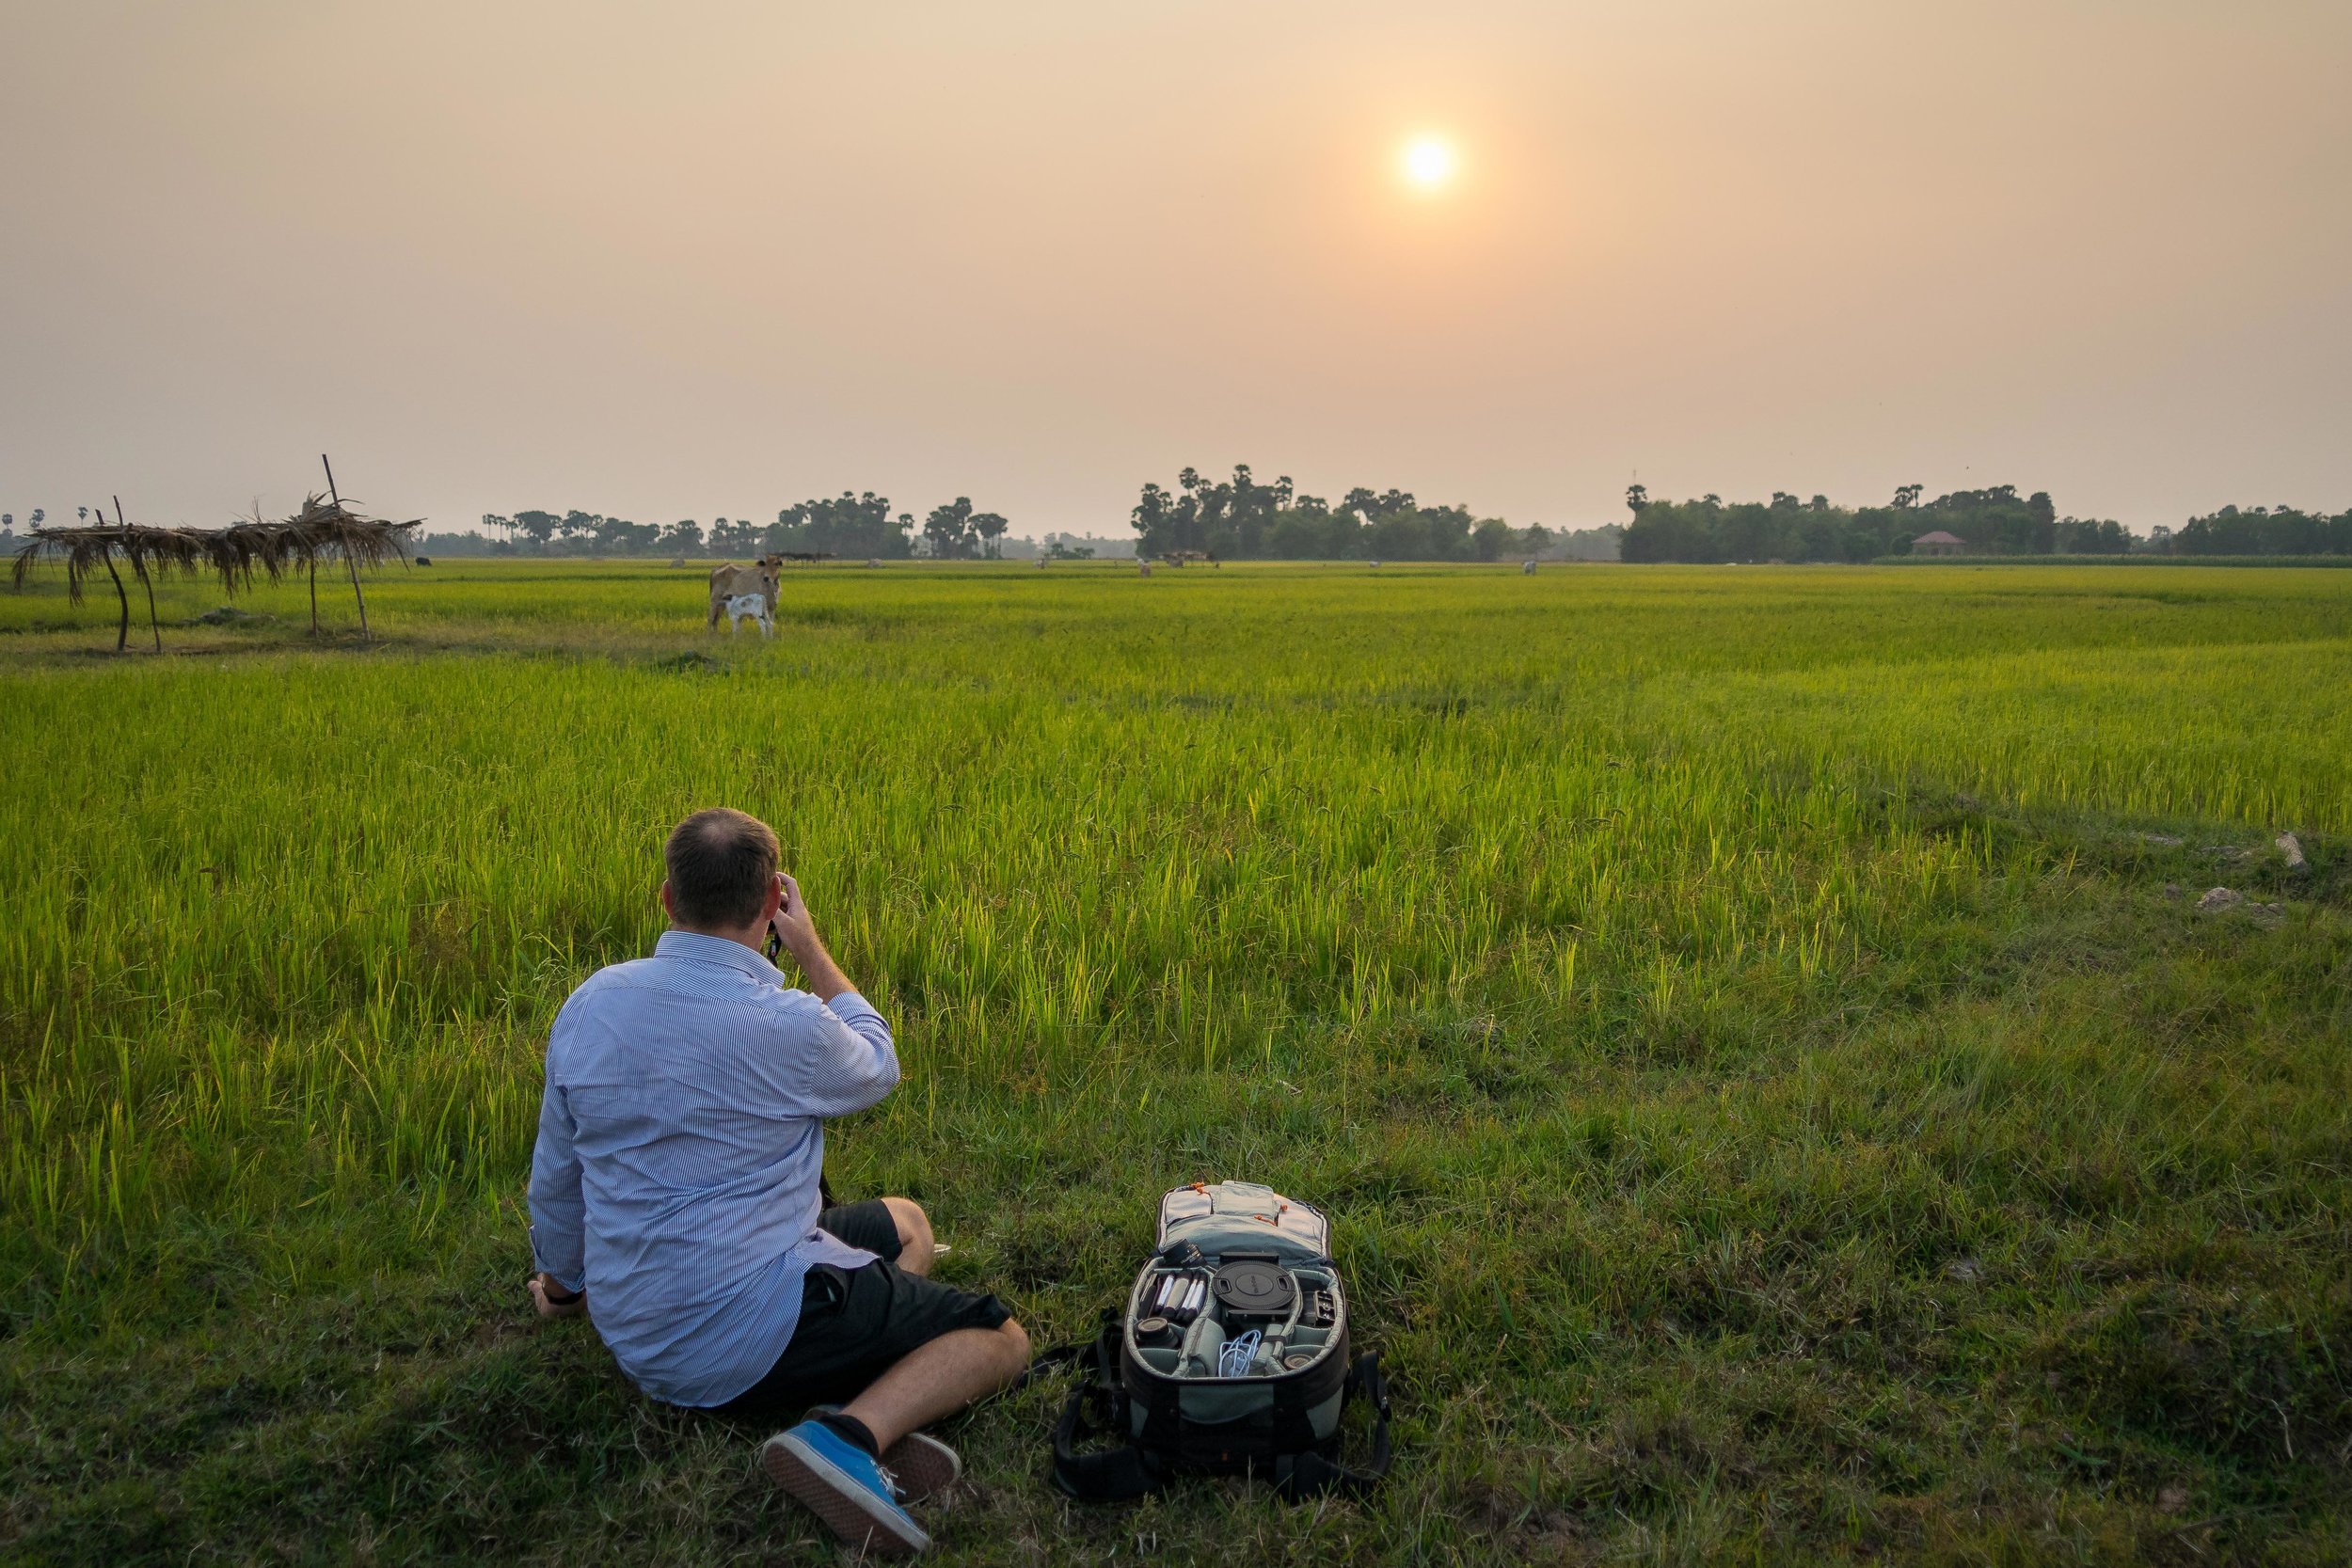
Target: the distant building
pixel 1939 543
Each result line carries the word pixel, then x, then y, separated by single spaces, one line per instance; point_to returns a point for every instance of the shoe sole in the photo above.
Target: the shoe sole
pixel 925 1466
pixel 836 1499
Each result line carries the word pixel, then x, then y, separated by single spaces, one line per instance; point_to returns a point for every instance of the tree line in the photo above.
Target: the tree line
pixel 2260 530
pixel 1242 519
pixel 1995 521
pixel 849 524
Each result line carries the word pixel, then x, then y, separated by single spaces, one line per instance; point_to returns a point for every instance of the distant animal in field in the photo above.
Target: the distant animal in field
pixel 1143 569
pixel 1375 566
pixel 1527 569
pixel 750 606
pixel 729 580
pixel 424 560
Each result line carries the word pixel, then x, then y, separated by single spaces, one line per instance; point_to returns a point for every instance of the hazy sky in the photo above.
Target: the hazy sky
pixel 704 259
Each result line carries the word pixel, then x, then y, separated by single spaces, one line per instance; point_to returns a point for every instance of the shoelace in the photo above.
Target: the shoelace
pixel 890 1483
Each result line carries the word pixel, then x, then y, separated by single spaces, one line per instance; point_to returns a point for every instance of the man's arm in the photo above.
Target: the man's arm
pixel 854 1062
pixel 797 931
pixel 558 1241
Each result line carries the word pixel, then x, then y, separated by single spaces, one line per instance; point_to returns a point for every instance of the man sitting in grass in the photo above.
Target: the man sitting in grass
pixel 675 1179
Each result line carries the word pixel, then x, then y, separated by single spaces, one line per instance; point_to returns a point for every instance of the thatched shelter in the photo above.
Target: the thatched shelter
pixel 151 552
pixel 325 528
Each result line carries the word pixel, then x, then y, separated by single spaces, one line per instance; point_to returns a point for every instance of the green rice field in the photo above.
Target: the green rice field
pixel 1755 1029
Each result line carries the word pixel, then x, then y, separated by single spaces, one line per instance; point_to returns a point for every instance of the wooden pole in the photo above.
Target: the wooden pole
pixel 147 582
pixel 348 558
pixel 122 631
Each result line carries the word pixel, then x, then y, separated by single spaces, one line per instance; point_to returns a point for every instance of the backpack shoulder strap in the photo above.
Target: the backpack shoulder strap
pixel 1121 1472
pixel 1113 1475
pixel 1053 1360
pixel 1309 1474
pixel 1090 1352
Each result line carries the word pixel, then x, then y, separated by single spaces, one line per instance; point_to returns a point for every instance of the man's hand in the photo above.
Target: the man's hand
pixel 797 931
pixel 563 1306
pixel 792 923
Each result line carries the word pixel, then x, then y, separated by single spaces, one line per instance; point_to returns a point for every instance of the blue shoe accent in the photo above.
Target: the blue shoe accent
pixel 918 1465
pixel 844 1485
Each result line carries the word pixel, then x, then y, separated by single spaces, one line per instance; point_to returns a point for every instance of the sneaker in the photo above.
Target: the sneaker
pixel 921 1464
pixel 844 1487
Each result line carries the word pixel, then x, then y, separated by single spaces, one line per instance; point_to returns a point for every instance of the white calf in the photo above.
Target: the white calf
pixel 750 606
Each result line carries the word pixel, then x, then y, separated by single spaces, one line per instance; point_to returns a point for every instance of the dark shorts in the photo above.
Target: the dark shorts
pixel 855 1324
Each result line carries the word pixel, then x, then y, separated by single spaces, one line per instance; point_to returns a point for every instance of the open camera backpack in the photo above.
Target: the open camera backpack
pixel 1231 1358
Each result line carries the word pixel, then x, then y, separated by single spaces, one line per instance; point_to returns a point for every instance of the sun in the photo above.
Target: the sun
pixel 1428 161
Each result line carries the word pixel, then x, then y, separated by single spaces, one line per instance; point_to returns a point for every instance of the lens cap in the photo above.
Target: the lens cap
pixel 1254 1289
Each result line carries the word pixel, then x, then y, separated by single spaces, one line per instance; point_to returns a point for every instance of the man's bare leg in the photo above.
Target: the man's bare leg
pixel 915 1245
pixel 940 1378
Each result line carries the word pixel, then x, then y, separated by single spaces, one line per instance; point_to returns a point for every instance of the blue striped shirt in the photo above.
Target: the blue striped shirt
pixel 680 1142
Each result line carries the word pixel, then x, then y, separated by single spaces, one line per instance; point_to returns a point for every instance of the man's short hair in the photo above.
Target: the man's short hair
pixel 721 862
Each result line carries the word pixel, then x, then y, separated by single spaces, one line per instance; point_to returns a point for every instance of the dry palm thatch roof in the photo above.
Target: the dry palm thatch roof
pixel 329 527
pixel 245 551
pixel 84 550
pixel 323 529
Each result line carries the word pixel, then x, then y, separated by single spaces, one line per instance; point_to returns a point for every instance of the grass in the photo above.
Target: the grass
pixel 2202 561
pixel 1751 1027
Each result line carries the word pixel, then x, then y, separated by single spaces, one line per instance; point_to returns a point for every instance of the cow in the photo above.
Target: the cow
pixel 750 606
pixel 729 580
